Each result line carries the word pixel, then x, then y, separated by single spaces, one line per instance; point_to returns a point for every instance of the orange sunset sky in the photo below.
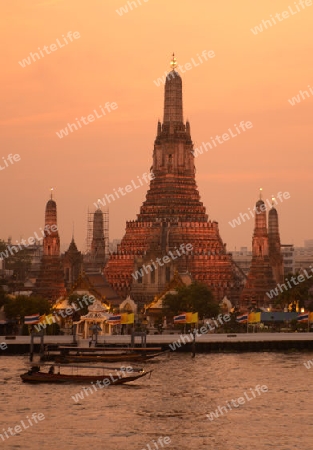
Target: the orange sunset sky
pixel 116 59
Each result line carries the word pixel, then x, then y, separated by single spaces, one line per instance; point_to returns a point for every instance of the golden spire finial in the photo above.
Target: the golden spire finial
pixel 273 200
pixel 261 193
pixel 51 192
pixel 173 62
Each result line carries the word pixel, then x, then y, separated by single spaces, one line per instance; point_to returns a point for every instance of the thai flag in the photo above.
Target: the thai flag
pixel 304 317
pixel 242 319
pixel 182 318
pixel 32 320
pixel 114 320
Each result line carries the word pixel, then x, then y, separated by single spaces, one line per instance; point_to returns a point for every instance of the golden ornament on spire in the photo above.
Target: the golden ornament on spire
pixel 51 192
pixel 261 193
pixel 273 200
pixel 173 62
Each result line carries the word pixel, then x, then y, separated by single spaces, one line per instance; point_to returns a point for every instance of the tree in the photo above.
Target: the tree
pixel 25 306
pixel 296 295
pixel 3 297
pixel 81 304
pixel 194 298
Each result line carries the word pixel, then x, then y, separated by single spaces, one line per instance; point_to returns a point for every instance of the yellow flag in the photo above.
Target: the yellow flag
pixel 195 318
pixel 131 318
pixel 254 317
pixel 189 317
pixel 127 318
pixel 124 318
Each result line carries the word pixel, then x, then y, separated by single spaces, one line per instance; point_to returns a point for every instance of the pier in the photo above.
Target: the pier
pixel 205 343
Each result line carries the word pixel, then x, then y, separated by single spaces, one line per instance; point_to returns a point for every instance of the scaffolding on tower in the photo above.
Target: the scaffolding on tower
pixel 100 234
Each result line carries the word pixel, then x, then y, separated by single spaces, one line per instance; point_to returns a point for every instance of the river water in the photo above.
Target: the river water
pixel 173 403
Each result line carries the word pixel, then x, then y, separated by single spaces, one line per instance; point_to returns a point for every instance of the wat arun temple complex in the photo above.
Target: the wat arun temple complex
pixel 171 243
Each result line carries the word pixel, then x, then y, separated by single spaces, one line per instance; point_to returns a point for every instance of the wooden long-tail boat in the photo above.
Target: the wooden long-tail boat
pixel 123 357
pixel 36 376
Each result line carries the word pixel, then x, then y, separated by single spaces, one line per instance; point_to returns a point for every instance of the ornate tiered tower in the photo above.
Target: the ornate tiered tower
pixel 72 261
pixel 260 278
pixel 50 283
pixel 274 247
pixel 98 241
pixel 172 215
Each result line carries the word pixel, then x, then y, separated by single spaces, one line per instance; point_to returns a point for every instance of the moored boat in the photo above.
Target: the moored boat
pixel 36 376
pixel 123 357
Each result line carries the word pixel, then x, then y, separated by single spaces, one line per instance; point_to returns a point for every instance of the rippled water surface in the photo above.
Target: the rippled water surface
pixel 173 402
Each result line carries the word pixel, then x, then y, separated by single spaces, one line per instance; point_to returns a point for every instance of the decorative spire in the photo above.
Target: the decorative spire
pixel 173 62
pixel 273 200
pixel 51 242
pixel 173 96
pixel 260 217
pixel 51 192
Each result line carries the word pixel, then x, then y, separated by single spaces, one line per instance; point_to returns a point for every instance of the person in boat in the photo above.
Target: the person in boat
pixel 51 370
pixel 33 369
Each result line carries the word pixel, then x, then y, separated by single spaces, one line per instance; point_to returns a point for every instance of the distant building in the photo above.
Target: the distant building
pixel 242 258
pixel 303 256
pixel 288 253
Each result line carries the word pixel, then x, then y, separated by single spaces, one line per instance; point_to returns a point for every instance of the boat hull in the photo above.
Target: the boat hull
pixel 105 358
pixel 40 377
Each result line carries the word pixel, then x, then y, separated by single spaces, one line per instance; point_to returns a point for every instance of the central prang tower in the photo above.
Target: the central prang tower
pixel 172 215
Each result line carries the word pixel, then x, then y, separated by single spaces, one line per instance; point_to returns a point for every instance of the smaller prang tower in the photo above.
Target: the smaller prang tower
pixel 260 277
pixel 98 240
pixel 72 261
pixel 50 283
pixel 274 246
